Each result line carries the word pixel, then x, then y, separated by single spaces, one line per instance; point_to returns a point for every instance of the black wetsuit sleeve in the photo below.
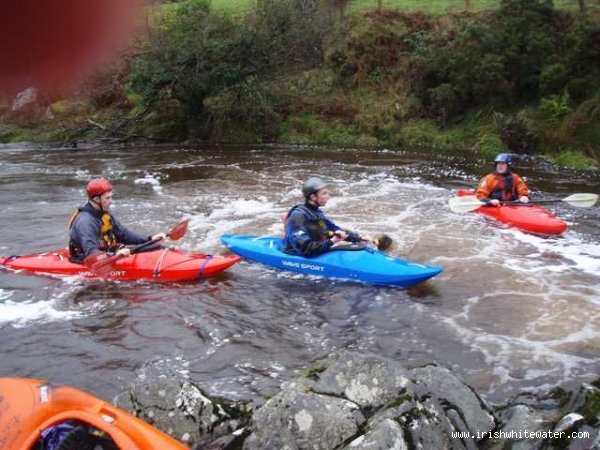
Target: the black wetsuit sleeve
pixel 300 238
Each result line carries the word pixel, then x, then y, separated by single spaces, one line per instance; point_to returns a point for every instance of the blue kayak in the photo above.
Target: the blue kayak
pixel 364 266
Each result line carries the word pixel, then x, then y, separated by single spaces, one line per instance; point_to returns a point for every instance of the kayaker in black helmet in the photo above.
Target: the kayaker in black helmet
pixel 308 231
pixel 93 231
pixel 503 184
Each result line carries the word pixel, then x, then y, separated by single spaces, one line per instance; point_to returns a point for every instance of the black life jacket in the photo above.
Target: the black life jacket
pixel 108 239
pixel 506 189
pixel 315 226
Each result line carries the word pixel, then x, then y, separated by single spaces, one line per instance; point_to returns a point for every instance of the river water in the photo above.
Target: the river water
pixel 510 312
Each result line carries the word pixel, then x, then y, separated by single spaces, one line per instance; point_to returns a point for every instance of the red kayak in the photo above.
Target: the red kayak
pixel 162 265
pixel 35 414
pixel 531 218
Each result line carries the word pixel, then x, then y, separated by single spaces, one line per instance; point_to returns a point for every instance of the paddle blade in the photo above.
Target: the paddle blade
pixel 179 230
pixel 581 200
pixel 103 267
pixel 464 204
pixel 383 242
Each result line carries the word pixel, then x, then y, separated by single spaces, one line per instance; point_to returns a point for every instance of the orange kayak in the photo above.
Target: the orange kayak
pixel 29 408
pixel 163 265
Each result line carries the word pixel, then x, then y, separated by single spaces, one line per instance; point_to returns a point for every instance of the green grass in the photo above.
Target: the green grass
pixel 233 6
pixel 428 6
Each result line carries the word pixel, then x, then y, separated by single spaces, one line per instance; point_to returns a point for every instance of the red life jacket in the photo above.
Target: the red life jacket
pixel 506 188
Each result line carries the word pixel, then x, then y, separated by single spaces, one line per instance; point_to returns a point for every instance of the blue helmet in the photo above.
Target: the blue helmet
pixel 504 158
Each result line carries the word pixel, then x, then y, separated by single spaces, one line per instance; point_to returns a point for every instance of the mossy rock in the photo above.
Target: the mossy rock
pixel 591 410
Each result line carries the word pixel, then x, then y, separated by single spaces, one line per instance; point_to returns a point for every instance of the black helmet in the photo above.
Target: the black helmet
pixel 312 186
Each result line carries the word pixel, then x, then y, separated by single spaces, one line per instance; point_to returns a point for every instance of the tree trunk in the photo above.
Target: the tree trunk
pixel 467 5
pixel 581 6
pixel 379 2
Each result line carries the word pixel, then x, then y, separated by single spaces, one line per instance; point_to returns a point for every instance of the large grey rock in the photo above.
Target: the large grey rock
pixel 303 420
pixel 582 401
pixel 182 410
pixel 583 418
pixel 283 440
pixel 357 402
pixel 366 380
pixel 518 420
pixel 460 426
pixel 428 427
pixel 387 435
pixel 567 422
pixel 589 439
pixel 427 432
pixel 449 388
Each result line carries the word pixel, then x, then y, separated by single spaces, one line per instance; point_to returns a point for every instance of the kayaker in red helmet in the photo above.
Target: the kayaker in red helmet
pixel 308 231
pixel 93 231
pixel 502 184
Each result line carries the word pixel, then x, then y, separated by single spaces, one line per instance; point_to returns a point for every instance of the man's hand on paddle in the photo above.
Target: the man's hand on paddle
pixel 123 252
pixel 339 236
pixel 159 237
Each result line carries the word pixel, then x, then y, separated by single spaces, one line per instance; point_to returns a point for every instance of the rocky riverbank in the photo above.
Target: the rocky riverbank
pixel 353 401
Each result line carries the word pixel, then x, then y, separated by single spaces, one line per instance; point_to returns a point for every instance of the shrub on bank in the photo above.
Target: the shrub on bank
pixel 524 76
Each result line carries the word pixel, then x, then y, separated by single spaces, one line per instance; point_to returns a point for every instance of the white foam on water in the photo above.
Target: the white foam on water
pixel 152 179
pixel 572 249
pixel 22 313
pixel 243 208
pixel 547 329
pixel 167 368
pixel 184 165
pixel 82 174
pixel 239 216
pixel 536 313
pixel 263 367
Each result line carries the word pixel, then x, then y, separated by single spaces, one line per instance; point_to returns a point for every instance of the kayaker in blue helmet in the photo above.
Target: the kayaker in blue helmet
pixel 93 231
pixel 308 231
pixel 502 184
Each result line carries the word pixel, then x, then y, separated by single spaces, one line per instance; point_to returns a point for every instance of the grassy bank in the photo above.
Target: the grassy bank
pixel 522 76
pixel 426 6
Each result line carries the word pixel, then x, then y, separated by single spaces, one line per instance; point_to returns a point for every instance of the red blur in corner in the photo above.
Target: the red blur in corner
pixel 49 44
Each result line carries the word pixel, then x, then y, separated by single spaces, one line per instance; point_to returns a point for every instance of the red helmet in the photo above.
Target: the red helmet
pixel 98 187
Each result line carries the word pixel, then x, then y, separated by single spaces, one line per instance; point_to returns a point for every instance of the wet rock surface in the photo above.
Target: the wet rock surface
pixel 352 401
pixel 182 410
